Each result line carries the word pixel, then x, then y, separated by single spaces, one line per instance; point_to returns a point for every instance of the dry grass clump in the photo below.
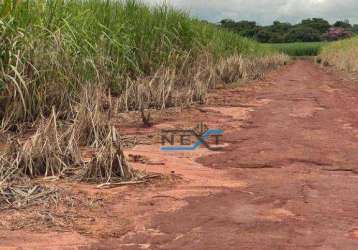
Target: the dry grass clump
pixel 171 86
pixel 256 67
pixel 92 128
pixel 55 148
pixel 341 54
pixel 237 67
pixel 46 153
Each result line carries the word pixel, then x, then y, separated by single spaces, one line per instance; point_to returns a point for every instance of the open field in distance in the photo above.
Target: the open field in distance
pixel 298 49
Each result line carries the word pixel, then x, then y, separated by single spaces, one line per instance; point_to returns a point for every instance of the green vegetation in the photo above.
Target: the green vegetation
pixel 308 30
pixel 299 49
pixel 342 54
pixel 52 48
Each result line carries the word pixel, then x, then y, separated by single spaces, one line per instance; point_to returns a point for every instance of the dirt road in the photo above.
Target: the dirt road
pixel 288 178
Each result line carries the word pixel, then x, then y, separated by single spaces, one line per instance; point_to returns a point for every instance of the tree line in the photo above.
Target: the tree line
pixel 308 30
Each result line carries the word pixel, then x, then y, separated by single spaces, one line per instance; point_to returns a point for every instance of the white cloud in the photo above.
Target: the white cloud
pixel 266 11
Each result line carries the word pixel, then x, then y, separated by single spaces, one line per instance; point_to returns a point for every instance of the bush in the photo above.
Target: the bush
pixel 303 34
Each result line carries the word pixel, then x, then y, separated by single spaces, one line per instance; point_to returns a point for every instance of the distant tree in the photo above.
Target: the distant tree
pixel 303 34
pixel 250 32
pixel 278 27
pixel 277 38
pixel 245 25
pixel 355 28
pixel 228 23
pixel 318 24
pixel 343 24
pixel 308 30
pixel 264 36
pixel 244 28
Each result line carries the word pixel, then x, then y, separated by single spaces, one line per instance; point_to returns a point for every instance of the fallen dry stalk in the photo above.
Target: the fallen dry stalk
pixel 18 196
pixel 141 180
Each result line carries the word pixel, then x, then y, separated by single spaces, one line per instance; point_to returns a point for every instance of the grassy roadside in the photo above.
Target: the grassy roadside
pixel 299 49
pixel 342 54
pixel 68 67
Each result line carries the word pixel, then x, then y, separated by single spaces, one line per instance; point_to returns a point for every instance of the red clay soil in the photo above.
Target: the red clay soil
pixel 287 179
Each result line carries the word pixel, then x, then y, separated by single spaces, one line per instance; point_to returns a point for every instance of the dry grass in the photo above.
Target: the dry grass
pixel 342 54
pixel 55 149
pixel 234 68
pixel 171 87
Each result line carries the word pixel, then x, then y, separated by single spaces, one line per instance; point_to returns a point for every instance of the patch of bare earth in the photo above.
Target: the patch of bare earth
pixel 286 179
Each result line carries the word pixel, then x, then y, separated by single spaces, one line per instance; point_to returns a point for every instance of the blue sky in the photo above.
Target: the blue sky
pixel 267 11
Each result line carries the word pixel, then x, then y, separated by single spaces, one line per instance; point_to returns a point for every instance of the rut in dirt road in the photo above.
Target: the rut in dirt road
pixel 299 155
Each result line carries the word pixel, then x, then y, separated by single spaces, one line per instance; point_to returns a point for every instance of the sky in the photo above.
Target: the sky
pixel 266 11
